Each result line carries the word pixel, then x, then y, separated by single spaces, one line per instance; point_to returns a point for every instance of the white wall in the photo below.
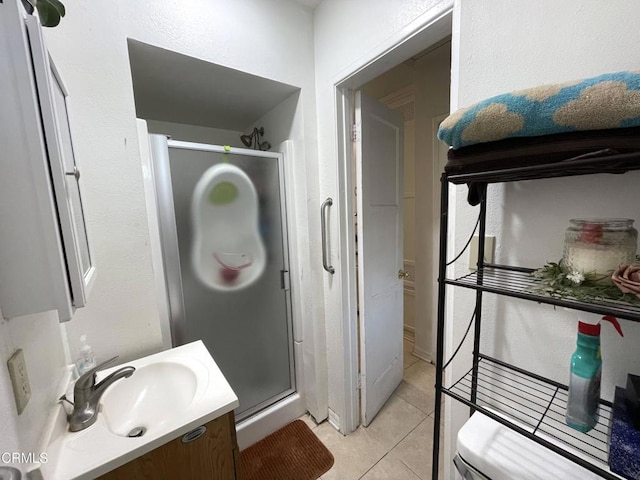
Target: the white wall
pixel 196 133
pixel 283 122
pixel 409 225
pixel 433 72
pixel 506 46
pixel 90 49
pixel 349 35
pixel 41 339
pixel 398 78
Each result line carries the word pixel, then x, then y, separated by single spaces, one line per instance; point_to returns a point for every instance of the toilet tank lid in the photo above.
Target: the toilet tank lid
pixel 503 454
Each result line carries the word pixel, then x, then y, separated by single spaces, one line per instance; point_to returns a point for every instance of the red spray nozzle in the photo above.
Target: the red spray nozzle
pixel 614 321
pixel 594 330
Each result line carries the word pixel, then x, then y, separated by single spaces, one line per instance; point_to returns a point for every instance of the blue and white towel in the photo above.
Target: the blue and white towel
pixel 607 101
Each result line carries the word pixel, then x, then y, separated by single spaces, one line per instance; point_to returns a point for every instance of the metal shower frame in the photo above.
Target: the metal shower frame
pixel 169 245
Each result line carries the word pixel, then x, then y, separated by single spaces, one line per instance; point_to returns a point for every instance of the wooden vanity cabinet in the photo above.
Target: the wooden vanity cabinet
pixel 213 456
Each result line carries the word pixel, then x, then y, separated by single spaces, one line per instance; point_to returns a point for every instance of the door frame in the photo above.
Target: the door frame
pixel 434 26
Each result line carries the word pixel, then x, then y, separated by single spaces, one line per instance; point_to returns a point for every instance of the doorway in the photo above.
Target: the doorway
pixel 418 87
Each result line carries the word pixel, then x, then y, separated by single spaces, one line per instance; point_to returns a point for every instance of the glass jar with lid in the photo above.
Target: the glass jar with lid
pixel 595 247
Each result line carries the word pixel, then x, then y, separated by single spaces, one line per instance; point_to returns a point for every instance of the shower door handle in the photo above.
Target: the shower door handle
pixel 323 224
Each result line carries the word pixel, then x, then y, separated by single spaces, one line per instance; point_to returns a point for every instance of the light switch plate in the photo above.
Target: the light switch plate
pixel 19 380
pixel 489 244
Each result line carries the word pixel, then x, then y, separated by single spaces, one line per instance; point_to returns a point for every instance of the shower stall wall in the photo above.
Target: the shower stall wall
pixel 223 231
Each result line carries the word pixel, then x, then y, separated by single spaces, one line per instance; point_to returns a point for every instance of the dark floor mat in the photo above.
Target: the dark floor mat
pixel 291 453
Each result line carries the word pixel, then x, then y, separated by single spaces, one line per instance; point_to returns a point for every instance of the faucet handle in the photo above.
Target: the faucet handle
pixel 88 379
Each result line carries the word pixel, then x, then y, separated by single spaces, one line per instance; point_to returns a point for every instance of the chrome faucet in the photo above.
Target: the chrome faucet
pixel 86 394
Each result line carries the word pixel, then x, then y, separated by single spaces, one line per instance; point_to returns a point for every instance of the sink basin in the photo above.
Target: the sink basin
pixel 152 397
pixel 170 393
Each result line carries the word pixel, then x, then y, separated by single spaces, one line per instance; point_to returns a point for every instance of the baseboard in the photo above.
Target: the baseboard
pixel 334 419
pixel 422 354
pixel 409 333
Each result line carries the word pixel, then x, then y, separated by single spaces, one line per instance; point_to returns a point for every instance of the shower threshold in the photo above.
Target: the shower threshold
pixel 257 426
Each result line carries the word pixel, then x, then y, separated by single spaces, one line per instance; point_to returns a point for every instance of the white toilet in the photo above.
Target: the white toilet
pixel 488 450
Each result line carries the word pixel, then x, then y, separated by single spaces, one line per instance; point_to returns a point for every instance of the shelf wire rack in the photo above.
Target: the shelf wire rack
pixel 536 405
pixel 520 283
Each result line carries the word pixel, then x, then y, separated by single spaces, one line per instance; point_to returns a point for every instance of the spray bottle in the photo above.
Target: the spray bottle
pixel 586 370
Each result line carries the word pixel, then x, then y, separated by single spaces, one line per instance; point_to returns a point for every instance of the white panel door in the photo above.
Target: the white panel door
pixel 379 154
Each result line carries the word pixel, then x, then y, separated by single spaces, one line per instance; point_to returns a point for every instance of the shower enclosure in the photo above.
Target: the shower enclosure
pixel 247 326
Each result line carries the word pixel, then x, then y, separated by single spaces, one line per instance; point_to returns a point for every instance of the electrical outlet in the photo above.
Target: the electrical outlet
pixel 489 243
pixel 19 380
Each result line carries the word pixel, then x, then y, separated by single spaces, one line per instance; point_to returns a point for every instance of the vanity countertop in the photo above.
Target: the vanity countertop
pixel 97 449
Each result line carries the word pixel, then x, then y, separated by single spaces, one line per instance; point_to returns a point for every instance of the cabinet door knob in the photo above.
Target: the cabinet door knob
pixel 402 274
pixel 75 173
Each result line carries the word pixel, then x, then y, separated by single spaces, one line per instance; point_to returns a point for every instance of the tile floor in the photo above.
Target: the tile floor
pixel 397 444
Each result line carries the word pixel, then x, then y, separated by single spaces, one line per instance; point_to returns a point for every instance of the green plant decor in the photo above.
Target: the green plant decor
pixel 555 281
pixel 49 11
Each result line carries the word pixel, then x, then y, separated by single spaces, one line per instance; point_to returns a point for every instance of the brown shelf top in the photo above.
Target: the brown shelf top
pixel 605 161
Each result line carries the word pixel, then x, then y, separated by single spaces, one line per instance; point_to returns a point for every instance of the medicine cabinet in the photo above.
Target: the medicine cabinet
pixel 45 259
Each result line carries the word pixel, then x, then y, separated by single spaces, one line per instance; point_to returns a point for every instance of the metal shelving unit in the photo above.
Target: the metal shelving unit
pixel 532 405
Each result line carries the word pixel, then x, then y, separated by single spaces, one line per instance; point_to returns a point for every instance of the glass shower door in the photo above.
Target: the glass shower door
pixel 230 292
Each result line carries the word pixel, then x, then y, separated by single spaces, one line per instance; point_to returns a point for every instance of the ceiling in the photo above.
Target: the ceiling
pixel 309 3
pixel 210 95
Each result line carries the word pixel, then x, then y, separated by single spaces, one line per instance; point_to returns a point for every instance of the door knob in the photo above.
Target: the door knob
pixel 402 274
